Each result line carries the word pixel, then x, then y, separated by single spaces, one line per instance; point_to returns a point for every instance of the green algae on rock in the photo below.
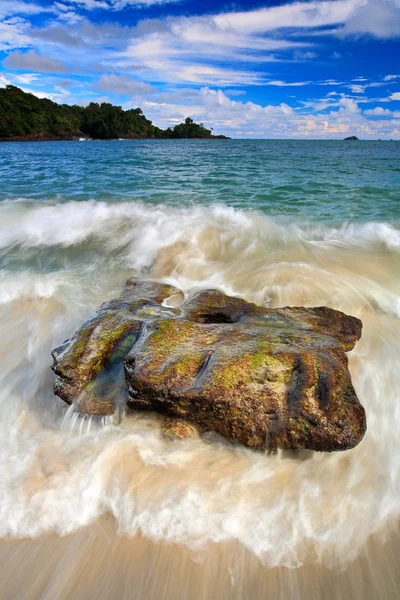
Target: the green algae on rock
pixel 267 378
pixel 90 365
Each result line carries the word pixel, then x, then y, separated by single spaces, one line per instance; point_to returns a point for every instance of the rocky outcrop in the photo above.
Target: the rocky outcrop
pixel 267 378
pixel 351 138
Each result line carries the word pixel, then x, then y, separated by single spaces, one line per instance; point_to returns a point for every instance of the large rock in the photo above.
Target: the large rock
pixel 267 378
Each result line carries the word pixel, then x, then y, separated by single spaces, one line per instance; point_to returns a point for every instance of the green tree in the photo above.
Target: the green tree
pixel 23 114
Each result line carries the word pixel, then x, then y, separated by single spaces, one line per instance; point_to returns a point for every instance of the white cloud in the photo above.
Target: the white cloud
pixel 216 109
pixel 201 74
pixel 348 105
pixel 4 81
pixel 35 62
pixel 280 83
pixel 296 15
pixel 25 78
pixel 226 50
pixel 12 34
pixel 57 94
pixel 118 4
pixel 357 89
pixel 90 4
pixel 198 49
pixel 187 49
pixel 380 18
pixel 169 58
pixel 330 82
pixel 303 55
pixel 70 17
pixel 10 8
pixel 320 104
pixel 378 111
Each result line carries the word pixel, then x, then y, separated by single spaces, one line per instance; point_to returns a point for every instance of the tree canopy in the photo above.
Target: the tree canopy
pixel 24 115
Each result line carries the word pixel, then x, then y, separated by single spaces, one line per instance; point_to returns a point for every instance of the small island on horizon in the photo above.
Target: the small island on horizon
pixel 25 117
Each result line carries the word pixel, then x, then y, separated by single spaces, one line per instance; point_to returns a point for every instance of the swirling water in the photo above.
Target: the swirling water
pixel 276 222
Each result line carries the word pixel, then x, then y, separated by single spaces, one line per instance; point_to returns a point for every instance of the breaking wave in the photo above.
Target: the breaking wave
pixel 60 261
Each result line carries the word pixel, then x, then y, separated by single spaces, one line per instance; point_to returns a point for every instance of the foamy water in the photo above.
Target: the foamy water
pixel 59 473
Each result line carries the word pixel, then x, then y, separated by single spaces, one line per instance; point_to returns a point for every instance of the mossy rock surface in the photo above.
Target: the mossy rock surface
pixel 267 378
pixel 90 365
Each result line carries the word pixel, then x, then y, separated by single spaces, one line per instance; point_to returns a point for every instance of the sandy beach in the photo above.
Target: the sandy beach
pixel 96 562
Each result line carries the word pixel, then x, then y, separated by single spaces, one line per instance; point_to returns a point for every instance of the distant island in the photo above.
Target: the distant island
pixel 352 138
pixel 24 117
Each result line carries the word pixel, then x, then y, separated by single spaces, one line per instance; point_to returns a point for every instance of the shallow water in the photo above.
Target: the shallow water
pixel 64 251
pixel 96 562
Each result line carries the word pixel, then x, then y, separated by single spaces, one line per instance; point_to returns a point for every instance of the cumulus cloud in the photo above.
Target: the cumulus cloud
pixel 215 108
pixel 349 106
pixel 34 61
pixel 378 111
pixel 248 119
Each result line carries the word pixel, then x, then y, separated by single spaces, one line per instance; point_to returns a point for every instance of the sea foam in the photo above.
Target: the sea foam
pixel 58 474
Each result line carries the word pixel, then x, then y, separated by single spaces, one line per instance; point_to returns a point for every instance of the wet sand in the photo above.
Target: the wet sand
pixel 97 563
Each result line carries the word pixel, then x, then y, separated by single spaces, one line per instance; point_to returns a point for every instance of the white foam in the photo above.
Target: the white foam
pixel 48 224
pixel 59 472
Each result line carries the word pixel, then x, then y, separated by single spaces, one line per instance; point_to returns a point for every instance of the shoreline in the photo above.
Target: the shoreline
pixel 216 137
pixel 108 139
pixel 96 561
pixel 82 138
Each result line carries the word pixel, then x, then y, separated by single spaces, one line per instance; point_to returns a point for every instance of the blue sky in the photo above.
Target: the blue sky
pixel 271 69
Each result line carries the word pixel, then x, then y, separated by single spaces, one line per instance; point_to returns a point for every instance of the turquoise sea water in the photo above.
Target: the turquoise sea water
pixel 329 180
pixel 276 222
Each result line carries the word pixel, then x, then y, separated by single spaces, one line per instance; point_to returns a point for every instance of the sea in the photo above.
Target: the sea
pixel 97 509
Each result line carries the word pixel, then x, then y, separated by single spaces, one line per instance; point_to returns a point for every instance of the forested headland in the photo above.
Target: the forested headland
pixel 23 116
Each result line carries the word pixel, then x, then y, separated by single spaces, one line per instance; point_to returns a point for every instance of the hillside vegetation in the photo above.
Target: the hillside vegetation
pixel 24 116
